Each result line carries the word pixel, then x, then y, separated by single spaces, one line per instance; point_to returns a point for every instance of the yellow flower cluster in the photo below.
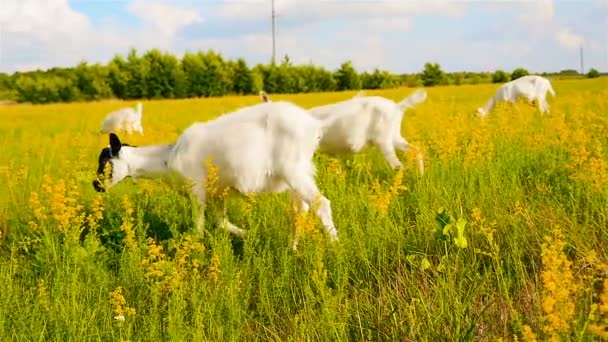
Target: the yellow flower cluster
pixel 43 294
pixel 169 274
pixel 587 162
pixel 335 170
pixel 215 272
pixel 559 285
pixel 96 214
pixel 528 334
pixel 380 198
pixel 488 230
pixel 480 147
pixel 186 267
pixel 304 222
pixel 155 261
pixel 248 204
pixel 127 225
pixel 59 206
pixel 119 305
pixel 212 186
pixel 599 315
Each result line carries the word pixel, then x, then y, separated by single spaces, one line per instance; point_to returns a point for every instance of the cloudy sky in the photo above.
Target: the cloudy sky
pixel 396 35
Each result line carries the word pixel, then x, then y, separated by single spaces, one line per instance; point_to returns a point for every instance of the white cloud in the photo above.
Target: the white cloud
pixel 569 39
pixel 388 24
pixel 351 9
pixel 543 10
pixel 42 34
pixel 42 20
pixel 166 18
pixel 371 33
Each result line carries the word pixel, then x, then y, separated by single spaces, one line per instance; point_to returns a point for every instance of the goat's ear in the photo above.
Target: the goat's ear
pixel 115 144
pixel 264 96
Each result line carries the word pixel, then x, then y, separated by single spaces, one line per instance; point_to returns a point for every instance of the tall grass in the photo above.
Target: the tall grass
pixel 504 237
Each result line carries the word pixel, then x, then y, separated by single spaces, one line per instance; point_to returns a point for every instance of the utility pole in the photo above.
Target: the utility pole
pixel 273 32
pixel 582 62
pixel 606 35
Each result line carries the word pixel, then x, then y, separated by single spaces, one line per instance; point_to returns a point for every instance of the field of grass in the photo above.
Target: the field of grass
pixel 503 238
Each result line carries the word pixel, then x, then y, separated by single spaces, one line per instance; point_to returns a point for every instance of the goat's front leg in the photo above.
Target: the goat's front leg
pixel 404 147
pixel 388 151
pixel 543 105
pixel 199 202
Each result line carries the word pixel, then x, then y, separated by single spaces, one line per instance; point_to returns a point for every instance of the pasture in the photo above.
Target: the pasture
pixel 503 237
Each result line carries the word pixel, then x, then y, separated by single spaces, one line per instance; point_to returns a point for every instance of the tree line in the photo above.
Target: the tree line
pixel 161 75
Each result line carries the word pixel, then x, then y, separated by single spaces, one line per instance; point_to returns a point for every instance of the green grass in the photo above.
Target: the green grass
pixel 398 277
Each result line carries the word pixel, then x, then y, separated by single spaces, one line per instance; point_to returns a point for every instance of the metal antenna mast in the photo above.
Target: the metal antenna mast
pixel 273 32
pixel 582 63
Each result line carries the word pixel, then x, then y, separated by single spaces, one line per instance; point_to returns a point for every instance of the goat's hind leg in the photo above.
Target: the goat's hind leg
pixel 388 151
pixel 403 146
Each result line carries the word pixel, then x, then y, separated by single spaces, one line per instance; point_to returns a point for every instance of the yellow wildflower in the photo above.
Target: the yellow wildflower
pixel 119 305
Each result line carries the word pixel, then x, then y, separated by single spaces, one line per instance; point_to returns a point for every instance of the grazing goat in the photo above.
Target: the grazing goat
pixel 127 119
pixel 531 87
pixel 353 123
pixel 263 148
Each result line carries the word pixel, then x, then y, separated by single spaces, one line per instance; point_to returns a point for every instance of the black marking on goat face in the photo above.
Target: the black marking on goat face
pixel 104 164
pixel 104 161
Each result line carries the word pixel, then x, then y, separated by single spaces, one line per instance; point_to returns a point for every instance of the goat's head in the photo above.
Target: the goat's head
pixel 111 168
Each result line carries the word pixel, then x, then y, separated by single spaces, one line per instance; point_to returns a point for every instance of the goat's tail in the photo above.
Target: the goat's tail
pixel 264 96
pixel 413 99
pixel 139 107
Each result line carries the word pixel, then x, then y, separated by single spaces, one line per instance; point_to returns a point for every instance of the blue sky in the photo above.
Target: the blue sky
pixel 396 35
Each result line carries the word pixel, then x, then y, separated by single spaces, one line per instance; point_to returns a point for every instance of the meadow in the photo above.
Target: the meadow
pixel 504 237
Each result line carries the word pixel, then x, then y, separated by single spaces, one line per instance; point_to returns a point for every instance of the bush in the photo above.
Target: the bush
pixel 347 78
pixel 519 72
pixel 593 73
pixel 432 75
pixel 500 77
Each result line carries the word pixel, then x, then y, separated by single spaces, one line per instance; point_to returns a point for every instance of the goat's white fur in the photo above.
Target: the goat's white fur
pixel 127 119
pixel 263 148
pixel 531 87
pixel 361 120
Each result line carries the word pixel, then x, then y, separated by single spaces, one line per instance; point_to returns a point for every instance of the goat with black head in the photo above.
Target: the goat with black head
pixel 265 148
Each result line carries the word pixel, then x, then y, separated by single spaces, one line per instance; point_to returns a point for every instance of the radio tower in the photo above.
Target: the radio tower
pixel 273 30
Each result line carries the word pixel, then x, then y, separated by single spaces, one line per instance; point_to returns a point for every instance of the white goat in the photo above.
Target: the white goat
pixel 353 123
pixel 127 119
pixel 263 148
pixel 532 87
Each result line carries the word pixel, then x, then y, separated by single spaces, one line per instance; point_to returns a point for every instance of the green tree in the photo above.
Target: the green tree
pixel 593 73
pixel 499 76
pixel 242 78
pixel 347 77
pixel 165 77
pixel 118 76
pixel 138 69
pixel 432 75
pixel 92 81
pixel 378 79
pixel 519 72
